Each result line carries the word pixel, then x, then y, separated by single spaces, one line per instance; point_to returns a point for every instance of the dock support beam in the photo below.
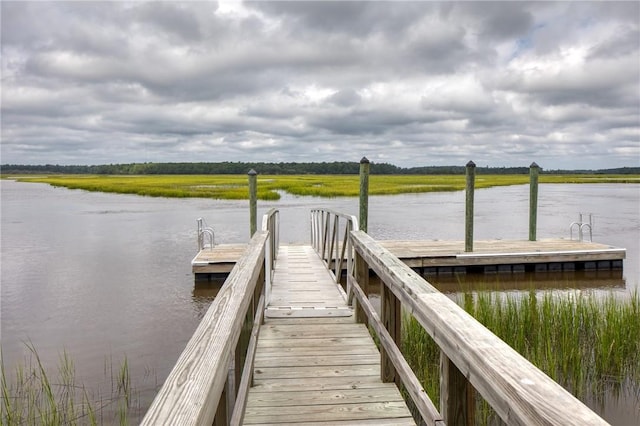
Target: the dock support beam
pixel 457 395
pixel 534 169
pixel 391 320
pixel 468 231
pixel 253 201
pixel 364 194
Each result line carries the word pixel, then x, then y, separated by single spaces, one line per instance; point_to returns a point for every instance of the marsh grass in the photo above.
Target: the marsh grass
pixel 588 344
pixel 35 396
pixel 235 187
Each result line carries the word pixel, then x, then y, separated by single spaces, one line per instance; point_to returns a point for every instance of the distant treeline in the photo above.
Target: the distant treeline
pixel 235 168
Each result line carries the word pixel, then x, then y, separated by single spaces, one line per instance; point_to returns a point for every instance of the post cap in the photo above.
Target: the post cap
pixel 471 164
pixel 364 160
pixel 534 165
pixel 252 172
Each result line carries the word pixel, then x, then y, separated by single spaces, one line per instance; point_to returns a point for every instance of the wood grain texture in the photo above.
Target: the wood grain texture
pixel 321 370
pixel 303 287
pixel 192 390
pixel 515 388
pixel 219 259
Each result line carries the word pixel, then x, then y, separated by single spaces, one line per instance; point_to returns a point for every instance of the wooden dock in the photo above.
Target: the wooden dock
pixel 280 344
pixel 313 363
pixel 446 257
pixel 219 259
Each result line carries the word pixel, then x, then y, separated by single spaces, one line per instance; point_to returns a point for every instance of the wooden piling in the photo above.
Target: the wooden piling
pixel 253 201
pixel 364 194
pixel 534 170
pixel 468 234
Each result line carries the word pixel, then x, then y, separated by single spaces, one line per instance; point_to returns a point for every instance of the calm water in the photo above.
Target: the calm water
pixel 103 276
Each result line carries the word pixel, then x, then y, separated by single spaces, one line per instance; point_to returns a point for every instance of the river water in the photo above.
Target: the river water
pixel 106 276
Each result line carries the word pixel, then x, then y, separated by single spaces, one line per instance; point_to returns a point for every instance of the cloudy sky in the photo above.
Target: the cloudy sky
pixel 409 83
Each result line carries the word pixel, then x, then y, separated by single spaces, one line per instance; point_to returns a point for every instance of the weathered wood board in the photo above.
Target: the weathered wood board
pixel 321 371
pixel 217 260
pixel 302 287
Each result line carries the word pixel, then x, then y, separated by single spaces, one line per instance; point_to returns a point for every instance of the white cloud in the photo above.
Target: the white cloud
pixel 411 83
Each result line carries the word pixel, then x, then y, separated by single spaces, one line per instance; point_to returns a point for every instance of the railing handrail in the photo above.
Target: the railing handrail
pixel 271 224
pixel 518 391
pixel 330 232
pixel 192 392
pixel 205 230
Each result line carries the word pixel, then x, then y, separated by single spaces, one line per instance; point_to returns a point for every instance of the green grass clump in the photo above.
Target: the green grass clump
pixel 35 396
pixel 590 345
pixel 235 187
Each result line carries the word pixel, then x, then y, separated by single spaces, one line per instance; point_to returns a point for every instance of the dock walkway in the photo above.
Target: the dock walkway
pixel 449 256
pixel 313 362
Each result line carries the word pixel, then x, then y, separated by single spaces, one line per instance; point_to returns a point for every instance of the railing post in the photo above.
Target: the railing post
pixel 222 415
pixel 468 234
pixel 253 201
pixel 364 194
pixel 391 320
pixel 534 169
pixel 362 277
pixel 457 395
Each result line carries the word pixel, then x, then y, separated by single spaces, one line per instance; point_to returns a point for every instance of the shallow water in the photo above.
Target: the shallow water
pixel 105 276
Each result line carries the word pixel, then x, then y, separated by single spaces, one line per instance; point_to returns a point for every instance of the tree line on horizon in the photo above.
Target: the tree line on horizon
pixel 290 168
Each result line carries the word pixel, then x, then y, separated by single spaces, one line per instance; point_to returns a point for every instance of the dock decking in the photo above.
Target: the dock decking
pixel 449 256
pixel 313 363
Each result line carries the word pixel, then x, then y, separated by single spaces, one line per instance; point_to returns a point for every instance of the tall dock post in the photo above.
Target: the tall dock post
pixel 361 267
pixel 253 201
pixel 534 170
pixel 471 179
pixel 364 194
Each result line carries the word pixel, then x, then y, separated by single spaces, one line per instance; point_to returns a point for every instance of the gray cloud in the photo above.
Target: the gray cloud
pixel 411 83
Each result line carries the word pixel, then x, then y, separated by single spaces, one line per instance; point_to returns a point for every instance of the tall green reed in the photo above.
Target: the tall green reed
pixel 589 344
pixel 34 396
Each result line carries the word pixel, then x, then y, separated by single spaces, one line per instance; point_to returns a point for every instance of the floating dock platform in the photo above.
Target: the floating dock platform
pixel 449 257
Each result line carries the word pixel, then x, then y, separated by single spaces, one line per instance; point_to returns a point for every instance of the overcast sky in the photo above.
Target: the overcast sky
pixel 412 84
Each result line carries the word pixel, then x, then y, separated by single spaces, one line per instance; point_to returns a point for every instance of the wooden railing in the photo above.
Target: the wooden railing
pixel 270 224
pixel 330 232
pixel 472 358
pixel 211 379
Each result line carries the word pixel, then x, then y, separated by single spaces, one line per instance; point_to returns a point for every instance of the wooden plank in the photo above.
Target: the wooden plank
pixel 317 360
pixel 307 313
pixel 327 413
pixel 265 373
pixel 382 393
pixel 313 331
pixel 323 342
pixel 396 421
pixel 319 383
pixel 306 351
pixel 333 321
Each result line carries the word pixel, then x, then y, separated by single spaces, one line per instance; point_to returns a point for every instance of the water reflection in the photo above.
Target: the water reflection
pixel 525 281
pixel 105 275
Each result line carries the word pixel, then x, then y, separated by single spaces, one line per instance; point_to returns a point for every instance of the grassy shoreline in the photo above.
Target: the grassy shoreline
pixel 235 187
pixel 590 345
